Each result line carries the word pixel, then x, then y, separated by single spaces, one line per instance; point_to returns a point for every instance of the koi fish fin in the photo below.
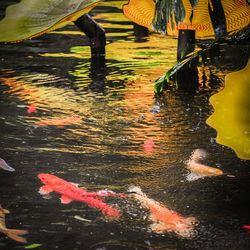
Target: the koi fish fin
pixel 75 184
pixel 194 176
pixel 5 166
pixel 45 190
pixel 65 199
pixel 14 234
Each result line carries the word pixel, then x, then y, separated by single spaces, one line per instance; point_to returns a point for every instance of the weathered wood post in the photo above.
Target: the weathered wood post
pixel 96 36
pixel 140 32
pixel 187 76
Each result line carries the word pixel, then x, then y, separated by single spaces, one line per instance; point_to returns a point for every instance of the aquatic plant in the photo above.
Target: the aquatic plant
pixel 231 117
pixel 30 18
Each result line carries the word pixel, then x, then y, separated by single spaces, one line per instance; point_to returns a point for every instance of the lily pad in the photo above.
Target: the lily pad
pixel 30 18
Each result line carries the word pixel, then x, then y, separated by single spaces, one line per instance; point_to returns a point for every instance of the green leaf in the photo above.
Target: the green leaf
pixel 193 3
pixel 33 246
pixel 163 14
pixel 29 18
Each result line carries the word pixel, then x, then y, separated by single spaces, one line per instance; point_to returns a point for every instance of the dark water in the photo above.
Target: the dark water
pixel 118 113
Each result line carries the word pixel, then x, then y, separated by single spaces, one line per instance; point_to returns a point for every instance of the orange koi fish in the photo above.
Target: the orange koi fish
pixel 59 122
pixel 12 233
pixel 199 170
pixel 164 219
pixel 5 166
pixel 31 109
pixel 70 192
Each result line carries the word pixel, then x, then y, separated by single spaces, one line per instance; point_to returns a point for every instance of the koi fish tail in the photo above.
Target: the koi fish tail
pixel 106 210
pixel 14 234
pixel 198 154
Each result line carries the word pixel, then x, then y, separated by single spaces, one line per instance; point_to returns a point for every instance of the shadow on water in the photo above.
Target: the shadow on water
pixel 105 148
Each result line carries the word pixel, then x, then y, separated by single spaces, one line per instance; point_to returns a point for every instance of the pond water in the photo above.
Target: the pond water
pixel 124 137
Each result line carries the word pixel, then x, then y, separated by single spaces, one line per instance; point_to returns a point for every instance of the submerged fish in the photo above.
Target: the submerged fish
pixel 31 109
pixel 12 233
pixel 70 192
pixel 59 122
pixel 199 170
pixel 148 146
pixel 5 166
pixel 164 219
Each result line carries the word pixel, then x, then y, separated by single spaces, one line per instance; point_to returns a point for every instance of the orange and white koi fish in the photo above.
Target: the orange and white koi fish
pixel 5 166
pixel 70 192
pixel 164 219
pixel 12 233
pixel 199 170
pixel 59 122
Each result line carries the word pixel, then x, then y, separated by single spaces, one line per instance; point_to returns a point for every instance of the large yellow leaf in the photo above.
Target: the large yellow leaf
pixel 231 117
pixel 30 18
pixel 237 15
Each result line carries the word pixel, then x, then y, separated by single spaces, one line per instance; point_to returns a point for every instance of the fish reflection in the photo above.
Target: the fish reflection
pixel 12 233
pixel 199 170
pixel 59 122
pixel 164 219
pixel 5 166
pixel 70 192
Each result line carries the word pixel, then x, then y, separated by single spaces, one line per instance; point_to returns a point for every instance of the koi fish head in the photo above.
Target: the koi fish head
pixel 47 179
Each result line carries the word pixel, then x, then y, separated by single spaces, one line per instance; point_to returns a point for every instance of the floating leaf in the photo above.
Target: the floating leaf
pixel 33 246
pixel 30 18
pixel 81 219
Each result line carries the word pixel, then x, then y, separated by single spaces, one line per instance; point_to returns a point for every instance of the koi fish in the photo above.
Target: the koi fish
pixel 59 122
pixel 5 166
pixel 70 192
pixel 247 227
pixel 163 218
pixel 31 109
pixel 148 146
pixel 12 233
pixel 199 170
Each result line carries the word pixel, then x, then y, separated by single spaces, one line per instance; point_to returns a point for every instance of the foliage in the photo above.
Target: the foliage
pixel 201 55
pixel 163 11
pixel 33 246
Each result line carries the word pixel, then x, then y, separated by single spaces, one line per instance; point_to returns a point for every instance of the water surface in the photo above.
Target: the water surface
pixel 105 148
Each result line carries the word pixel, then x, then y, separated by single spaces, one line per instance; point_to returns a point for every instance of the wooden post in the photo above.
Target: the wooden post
pixel 95 33
pixel 186 42
pixel 187 76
